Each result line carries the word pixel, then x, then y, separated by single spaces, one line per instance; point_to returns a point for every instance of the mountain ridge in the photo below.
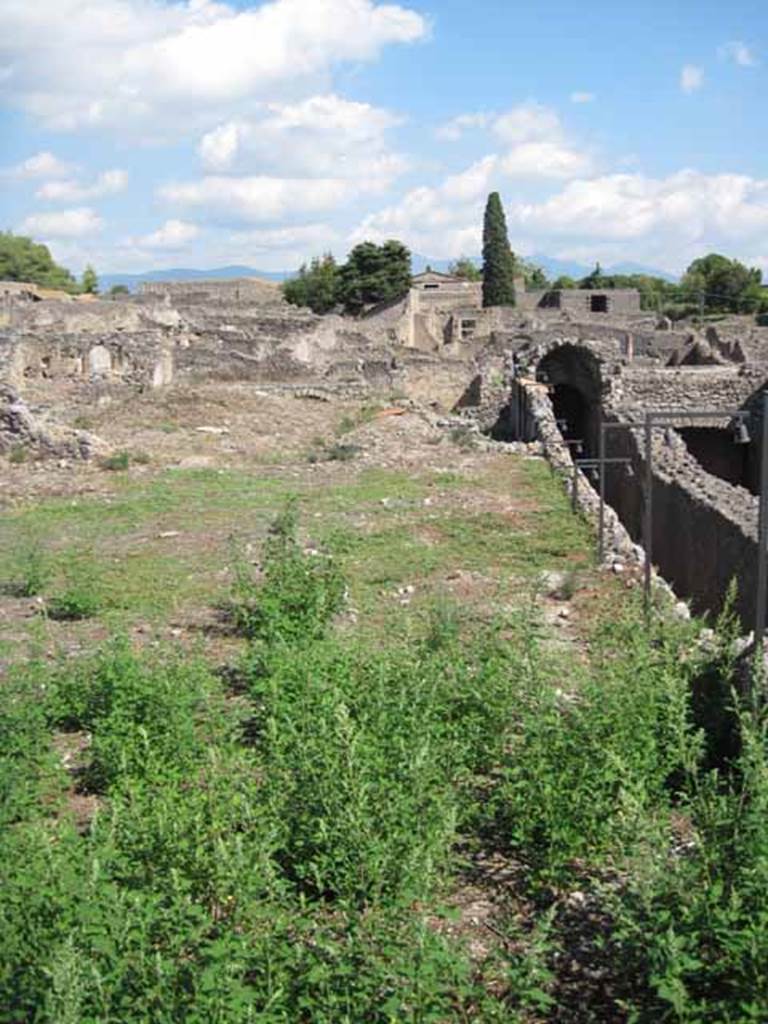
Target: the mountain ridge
pixel 553 267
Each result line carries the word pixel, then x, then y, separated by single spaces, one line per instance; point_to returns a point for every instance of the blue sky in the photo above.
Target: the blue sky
pixel 140 134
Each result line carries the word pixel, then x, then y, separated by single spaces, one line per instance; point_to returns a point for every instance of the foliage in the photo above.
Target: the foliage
pixel 316 285
pixel 465 269
pixel 90 282
pixel 562 282
pixel 30 567
pixel 117 290
pixel 723 285
pixel 21 259
pixel 284 853
pixel 117 462
pixel 299 592
pixel 534 276
pixel 81 596
pixel 18 455
pixel 374 273
pixel 498 261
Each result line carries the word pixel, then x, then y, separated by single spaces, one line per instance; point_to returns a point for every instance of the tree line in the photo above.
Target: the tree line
pixel 713 284
pixel 22 259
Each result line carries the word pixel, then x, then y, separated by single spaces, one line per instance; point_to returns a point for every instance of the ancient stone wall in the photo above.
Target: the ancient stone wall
pixel 230 292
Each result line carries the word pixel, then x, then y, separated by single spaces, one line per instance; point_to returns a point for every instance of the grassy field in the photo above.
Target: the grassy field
pixel 298 746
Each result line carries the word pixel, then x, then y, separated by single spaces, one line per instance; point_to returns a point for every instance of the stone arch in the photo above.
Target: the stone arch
pixel 574 375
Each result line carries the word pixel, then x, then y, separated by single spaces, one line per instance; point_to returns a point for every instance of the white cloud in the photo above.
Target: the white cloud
pixel 582 97
pixel 108 183
pixel 691 78
pixel 528 122
pixel 444 220
pixel 218 148
pixel 666 221
pixel 143 58
pixel 535 160
pixel 173 235
pixel 739 53
pixel 258 198
pixel 303 237
pixel 41 165
pixel 452 131
pixel 322 136
pixel 75 223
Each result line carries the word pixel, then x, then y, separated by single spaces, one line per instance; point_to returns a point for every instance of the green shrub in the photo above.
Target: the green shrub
pixel 298 595
pixel 18 455
pixel 81 595
pixel 334 453
pixel 30 568
pixel 140 711
pixel 117 462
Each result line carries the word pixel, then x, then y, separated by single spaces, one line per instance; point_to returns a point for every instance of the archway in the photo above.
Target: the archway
pixel 573 375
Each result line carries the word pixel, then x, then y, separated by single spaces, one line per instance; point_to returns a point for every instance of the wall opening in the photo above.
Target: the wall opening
pixel 715 451
pixel 598 303
pixel 571 412
pixel 468 328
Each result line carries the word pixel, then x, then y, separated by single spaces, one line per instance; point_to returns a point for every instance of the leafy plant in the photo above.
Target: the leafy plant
pixel 117 462
pixel 18 455
pixel 298 594
pixel 81 596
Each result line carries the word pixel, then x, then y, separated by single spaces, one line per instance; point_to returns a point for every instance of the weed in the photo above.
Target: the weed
pixel 464 437
pixel 299 592
pixel 364 415
pixel 81 596
pixel 18 455
pixel 82 422
pixel 334 453
pixel 117 462
pixel 30 567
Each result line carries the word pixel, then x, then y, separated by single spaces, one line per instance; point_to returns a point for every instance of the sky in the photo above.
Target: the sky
pixel 147 134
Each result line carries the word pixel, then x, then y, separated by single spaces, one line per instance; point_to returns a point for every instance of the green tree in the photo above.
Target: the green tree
pixel 21 259
pixel 498 260
pixel 118 289
pixel 90 282
pixel 562 282
pixel 595 280
pixel 465 269
pixel 315 286
pixel 535 278
pixel 374 273
pixel 721 284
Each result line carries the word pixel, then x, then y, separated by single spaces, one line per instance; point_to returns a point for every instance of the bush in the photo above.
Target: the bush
pixel 117 462
pixel 298 595
pixel 18 455
pixel 82 594
pixel 30 568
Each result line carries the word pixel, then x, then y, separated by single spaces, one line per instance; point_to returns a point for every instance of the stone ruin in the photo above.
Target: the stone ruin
pixel 540 374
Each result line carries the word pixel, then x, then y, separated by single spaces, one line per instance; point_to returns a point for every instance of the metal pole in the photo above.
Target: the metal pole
pixel 575 487
pixel 601 522
pixel 762 526
pixel 648 521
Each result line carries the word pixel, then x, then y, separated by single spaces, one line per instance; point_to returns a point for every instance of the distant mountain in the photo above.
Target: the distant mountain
pixel 132 281
pixel 553 268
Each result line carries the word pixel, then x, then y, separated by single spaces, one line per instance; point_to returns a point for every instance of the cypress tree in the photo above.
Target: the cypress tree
pixel 498 260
